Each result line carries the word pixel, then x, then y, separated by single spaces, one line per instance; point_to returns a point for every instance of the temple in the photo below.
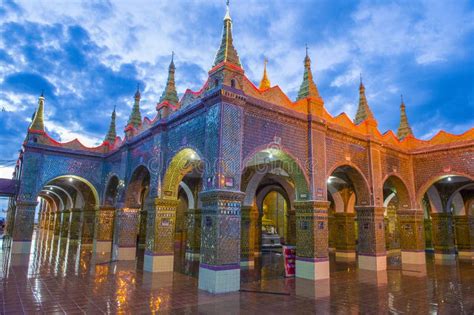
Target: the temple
pixel 233 170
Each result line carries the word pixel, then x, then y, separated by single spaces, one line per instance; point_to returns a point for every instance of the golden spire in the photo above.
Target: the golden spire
pixel 227 51
pixel 363 111
pixel 38 119
pixel 404 128
pixel 265 82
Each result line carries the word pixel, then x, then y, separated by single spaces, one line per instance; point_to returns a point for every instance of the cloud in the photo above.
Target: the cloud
pixel 89 56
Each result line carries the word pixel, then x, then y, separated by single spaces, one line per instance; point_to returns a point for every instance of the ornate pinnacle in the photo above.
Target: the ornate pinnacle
pixel 363 111
pixel 308 87
pixel 112 133
pixel 404 128
pixel 169 94
pixel 38 119
pixel 136 117
pixel 265 82
pixel 227 52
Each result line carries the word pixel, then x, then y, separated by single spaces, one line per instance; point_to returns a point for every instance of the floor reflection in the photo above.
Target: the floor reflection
pixel 61 275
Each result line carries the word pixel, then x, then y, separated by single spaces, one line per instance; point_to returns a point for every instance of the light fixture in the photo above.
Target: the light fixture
pixel 193 156
pixel 50 188
pixel 270 155
pixel 329 179
pixel 449 179
pixel 70 179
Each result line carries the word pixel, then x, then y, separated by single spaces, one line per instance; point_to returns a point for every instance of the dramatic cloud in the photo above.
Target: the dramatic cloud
pixel 89 56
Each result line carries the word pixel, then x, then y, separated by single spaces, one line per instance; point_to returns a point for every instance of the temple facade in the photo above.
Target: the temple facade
pixel 201 172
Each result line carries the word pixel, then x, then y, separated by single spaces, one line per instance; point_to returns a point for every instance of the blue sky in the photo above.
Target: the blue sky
pixel 88 56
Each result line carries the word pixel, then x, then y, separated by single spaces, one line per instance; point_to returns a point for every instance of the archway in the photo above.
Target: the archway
pixel 272 181
pixel 176 241
pixel 66 210
pixel 396 198
pixel 347 188
pixel 447 228
pixel 135 196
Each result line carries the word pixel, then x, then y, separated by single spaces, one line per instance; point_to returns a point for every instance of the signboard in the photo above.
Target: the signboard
pixel 289 254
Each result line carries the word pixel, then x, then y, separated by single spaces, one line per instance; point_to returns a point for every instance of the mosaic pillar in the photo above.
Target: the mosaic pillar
pixel 126 233
pixel 258 237
pixel 219 269
pixel 88 220
pixel 291 227
pixel 193 240
pixel 428 235
pixel 249 230
pixel 464 228
pixel 75 226
pixel 56 223
pixel 23 228
pixel 332 234
pixel 412 240
pixel 344 229
pixel 10 222
pixel 65 219
pixel 159 253
pixel 372 253
pixel 142 227
pixel 104 229
pixel 312 257
pixel 443 236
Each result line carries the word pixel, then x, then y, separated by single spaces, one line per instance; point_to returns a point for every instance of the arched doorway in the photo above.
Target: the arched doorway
pixel 449 229
pixel 177 233
pixel 272 180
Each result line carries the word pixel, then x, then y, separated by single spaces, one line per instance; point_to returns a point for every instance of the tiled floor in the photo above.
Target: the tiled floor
pixel 62 277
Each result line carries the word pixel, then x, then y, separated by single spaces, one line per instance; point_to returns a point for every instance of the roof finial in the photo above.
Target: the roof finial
pixel 360 74
pixel 265 82
pixel 404 128
pixel 42 92
pixel 172 55
pixel 401 98
pixel 306 50
pixel 227 12
pixel 363 111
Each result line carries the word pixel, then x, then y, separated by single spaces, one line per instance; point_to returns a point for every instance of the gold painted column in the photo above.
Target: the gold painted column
pixel 65 219
pixel 312 253
pixel 249 230
pixel 88 220
pixel 443 237
pixel 412 236
pixel 159 253
pixel 75 227
pixel 291 227
pixel 104 229
pixel 344 232
pixel 55 223
pixel 464 228
pixel 193 240
pixel 372 254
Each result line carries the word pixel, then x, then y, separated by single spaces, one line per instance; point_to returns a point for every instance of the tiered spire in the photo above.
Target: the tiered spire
pixel 404 128
pixel 38 119
pixel 308 87
pixel 363 111
pixel 135 117
pixel 112 133
pixel 265 82
pixel 169 94
pixel 227 52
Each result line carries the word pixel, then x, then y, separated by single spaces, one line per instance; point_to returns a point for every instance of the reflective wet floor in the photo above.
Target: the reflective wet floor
pixel 64 277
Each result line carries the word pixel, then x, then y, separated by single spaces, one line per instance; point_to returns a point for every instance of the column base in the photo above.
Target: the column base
pixel 466 255
pixel 413 258
pixel 312 269
pixel 126 253
pixel 102 246
pixel 447 257
pixel 345 255
pixel 156 263
pixel 374 263
pixel 219 279
pixel 20 247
